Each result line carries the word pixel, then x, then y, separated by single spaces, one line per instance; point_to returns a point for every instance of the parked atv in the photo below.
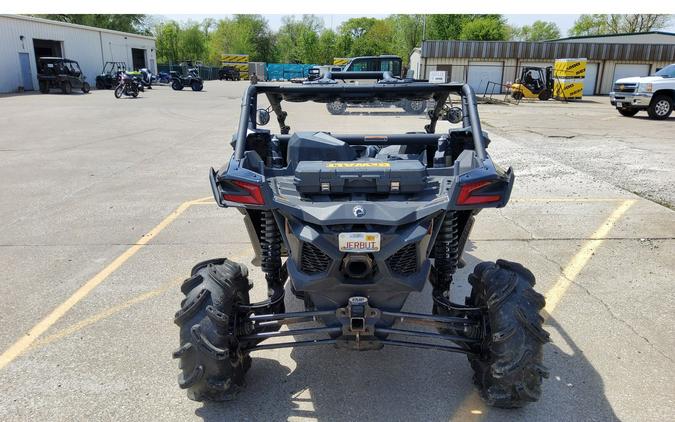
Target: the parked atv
pixel 192 80
pixel 164 78
pixel 62 74
pixel 126 86
pixel 108 77
pixel 355 223
pixel 229 73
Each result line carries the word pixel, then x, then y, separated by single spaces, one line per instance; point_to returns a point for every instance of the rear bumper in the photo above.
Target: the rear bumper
pixel 630 99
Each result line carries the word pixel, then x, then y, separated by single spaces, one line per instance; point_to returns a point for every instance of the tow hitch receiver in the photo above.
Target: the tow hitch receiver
pixel 358 325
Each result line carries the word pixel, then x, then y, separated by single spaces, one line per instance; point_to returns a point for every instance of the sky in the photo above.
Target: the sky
pixel 564 22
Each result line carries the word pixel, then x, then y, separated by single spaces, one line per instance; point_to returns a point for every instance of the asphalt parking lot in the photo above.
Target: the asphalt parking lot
pixel 105 205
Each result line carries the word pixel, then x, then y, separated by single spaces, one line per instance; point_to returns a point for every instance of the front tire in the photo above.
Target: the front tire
pixel 212 362
pixel 119 91
pixel 628 112
pixel 44 87
pixel 66 88
pixel 176 85
pixel 508 371
pixel 545 95
pixel 660 108
pixel 86 88
pixel 197 86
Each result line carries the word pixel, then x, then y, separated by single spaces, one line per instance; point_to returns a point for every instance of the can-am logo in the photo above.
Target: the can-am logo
pixel 359 211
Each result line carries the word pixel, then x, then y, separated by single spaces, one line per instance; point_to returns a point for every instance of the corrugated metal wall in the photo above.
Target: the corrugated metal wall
pixel 90 47
pixel 548 50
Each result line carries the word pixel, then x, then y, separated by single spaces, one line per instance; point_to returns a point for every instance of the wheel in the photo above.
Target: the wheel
pixel 176 85
pixel 99 84
pixel 660 107
pixel 85 87
pixel 134 91
pixel 336 107
pixel 508 371
pixel 455 115
pixel 44 87
pixel 119 91
pixel 212 362
pixel 517 95
pixel 197 86
pixel 628 112
pixel 545 95
pixel 66 87
pixel 415 107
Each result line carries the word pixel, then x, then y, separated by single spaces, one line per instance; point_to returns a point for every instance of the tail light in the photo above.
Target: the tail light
pixel 478 193
pixel 243 193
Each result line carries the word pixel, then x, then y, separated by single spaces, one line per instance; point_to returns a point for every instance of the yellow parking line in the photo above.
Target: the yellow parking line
pixel 107 313
pixel 27 339
pixel 579 261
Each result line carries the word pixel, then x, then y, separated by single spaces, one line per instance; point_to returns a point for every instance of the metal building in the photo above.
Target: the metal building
pixel 609 58
pixel 23 39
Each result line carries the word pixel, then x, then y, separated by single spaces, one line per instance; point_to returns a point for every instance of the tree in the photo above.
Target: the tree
pixel 485 28
pixel 135 24
pixel 408 33
pixel 446 27
pixel 538 31
pixel 328 47
pixel 599 24
pixel 168 36
pixel 192 42
pixel 297 40
pixel 242 34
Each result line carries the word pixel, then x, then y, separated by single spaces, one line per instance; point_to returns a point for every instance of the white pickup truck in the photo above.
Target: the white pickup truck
pixel 655 93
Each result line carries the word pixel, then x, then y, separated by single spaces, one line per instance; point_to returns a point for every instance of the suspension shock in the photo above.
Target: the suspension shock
pixel 270 245
pixel 446 252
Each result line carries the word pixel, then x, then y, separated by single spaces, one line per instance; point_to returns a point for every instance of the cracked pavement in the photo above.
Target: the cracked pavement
pixel 97 173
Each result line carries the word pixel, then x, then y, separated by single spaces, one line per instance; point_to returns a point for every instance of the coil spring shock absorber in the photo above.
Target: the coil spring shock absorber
pixel 270 245
pixel 446 252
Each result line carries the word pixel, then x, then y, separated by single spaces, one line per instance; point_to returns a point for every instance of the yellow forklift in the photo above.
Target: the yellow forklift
pixel 534 82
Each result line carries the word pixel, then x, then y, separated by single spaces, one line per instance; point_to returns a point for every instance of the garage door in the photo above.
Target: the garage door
pixel 591 78
pixel 629 70
pixel 480 73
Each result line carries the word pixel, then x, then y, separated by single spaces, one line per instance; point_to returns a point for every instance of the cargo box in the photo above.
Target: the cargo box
pixel 398 176
pixel 568 89
pixel 569 68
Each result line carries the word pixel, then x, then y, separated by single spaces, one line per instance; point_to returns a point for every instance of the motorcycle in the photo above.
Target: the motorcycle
pixel 126 86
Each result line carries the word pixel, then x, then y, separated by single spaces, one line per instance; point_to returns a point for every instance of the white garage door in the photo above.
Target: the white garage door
pixel 590 79
pixel 629 70
pixel 480 73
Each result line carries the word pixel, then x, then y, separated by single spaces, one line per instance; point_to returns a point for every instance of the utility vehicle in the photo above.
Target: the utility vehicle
pixel 62 74
pixel 109 75
pixel 534 82
pixel 352 224
pixel 191 79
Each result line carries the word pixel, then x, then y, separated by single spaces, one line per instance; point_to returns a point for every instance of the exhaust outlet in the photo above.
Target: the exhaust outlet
pixel 357 266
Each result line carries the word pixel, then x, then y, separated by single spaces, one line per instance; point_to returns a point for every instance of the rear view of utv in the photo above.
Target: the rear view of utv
pixel 351 224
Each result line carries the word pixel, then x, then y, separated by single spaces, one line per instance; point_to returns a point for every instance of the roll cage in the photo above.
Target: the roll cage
pixel 386 89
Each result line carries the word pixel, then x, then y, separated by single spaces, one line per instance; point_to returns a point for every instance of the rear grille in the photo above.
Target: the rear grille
pixel 313 260
pixel 625 87
pixel 404 261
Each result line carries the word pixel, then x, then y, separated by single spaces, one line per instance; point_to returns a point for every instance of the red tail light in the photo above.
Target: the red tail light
pixel 469 194
pixel 250 194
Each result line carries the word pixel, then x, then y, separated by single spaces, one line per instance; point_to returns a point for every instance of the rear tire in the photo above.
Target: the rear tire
pixel 660 108
pixel 86 88
pixel 100 84
pixel 176 85
pixel 197 86
pixel 212 362
pixel 628 112
pixel 44 87
pixel 509 370
pixel 415 107
pixel 517 95
pixel 66 88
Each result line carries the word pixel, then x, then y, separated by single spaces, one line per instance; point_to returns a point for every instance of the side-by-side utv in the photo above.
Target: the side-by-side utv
pixel 351 224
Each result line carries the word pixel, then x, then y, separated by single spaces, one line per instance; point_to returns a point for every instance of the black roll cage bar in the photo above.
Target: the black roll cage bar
pixel 387 88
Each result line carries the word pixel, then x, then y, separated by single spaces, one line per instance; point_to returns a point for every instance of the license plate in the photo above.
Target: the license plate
pixel 359 242
pixel 619 105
